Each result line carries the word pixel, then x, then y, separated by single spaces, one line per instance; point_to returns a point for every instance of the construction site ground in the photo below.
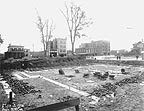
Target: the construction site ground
pixel 130 97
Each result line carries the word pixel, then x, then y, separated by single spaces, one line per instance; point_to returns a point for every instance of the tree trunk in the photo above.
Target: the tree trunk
pixel 45 53
pixel 72 48
pixel 47 49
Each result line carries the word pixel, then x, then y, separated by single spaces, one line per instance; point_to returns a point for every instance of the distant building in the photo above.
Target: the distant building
pixel 113 52
pixel 27 52
pixel 69 52
pixel 58 47
pixel 100 47
pixel 119 52
pixel 16 52
pixel 139 45
pixel 37 54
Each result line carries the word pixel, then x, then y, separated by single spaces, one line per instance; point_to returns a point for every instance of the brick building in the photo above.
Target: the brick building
pixel 100 47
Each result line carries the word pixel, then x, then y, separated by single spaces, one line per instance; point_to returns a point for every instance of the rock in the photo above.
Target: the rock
pixel 39 96
pixel 65 98
pixel 86 75
pixel 106 74
pixel 95 98
pixel 70 76
pixel 102 77
pixel 111 77
pixel 77 71
pixel 96 74
pixel 122 70
pixel 20 105
pixel 93 102
pixel 90 81
pixel 68 79
pixel 61 72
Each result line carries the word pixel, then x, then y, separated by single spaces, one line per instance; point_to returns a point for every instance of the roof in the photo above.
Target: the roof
pixel 15 46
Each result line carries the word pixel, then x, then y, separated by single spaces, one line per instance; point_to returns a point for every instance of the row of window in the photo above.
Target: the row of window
pixel 62 46
pixel 62 42
pixel 62 50
pixel 16 49
pixel 90 50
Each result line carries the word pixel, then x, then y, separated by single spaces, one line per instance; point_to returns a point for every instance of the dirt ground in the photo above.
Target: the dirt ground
pixel 49 94
pixel 85 84
pixel 130 97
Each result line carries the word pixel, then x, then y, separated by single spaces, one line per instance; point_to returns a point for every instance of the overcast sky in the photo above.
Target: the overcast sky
pixel 119 21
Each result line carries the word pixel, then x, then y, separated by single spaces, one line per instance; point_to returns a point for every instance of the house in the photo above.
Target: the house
pixel 16 52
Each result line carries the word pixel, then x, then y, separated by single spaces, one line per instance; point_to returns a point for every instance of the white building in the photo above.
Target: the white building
pixel 58 47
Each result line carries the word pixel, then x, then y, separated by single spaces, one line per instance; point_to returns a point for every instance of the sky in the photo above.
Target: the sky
pixel 119 21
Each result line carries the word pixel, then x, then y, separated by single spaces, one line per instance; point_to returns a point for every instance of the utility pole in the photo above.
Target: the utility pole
pixel 33 49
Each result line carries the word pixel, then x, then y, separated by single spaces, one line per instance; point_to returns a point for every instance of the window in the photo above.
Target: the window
pixel 64 42
pixel 15 49
pixel 60 50
pixel 64 50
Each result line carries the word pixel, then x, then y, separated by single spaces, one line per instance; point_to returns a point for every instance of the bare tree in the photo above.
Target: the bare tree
pixel 76 21
pixel 1 40
pixel 46 30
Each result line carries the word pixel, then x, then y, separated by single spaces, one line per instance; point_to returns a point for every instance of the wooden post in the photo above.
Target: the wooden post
pixel 59 106
pixel 0 106
pixel 10 98
pixel 77 107
pixel 1 67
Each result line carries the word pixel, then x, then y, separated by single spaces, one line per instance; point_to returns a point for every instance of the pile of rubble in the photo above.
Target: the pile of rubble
pixel 13 107
pixel 65 98
pixel 108 93
pixel 134 79
pixel 104 90
pixel 18 86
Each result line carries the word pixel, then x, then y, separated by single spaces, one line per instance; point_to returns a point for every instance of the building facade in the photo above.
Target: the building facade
pixel 27 52
pixel 58 47
pixel 16 52
pixel 100 47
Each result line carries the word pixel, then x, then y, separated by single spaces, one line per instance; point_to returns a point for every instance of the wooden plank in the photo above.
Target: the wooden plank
pixel 59 106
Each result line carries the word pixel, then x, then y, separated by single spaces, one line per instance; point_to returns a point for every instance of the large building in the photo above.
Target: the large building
pixel 16 52
pixel 100 47
pixel 58 47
